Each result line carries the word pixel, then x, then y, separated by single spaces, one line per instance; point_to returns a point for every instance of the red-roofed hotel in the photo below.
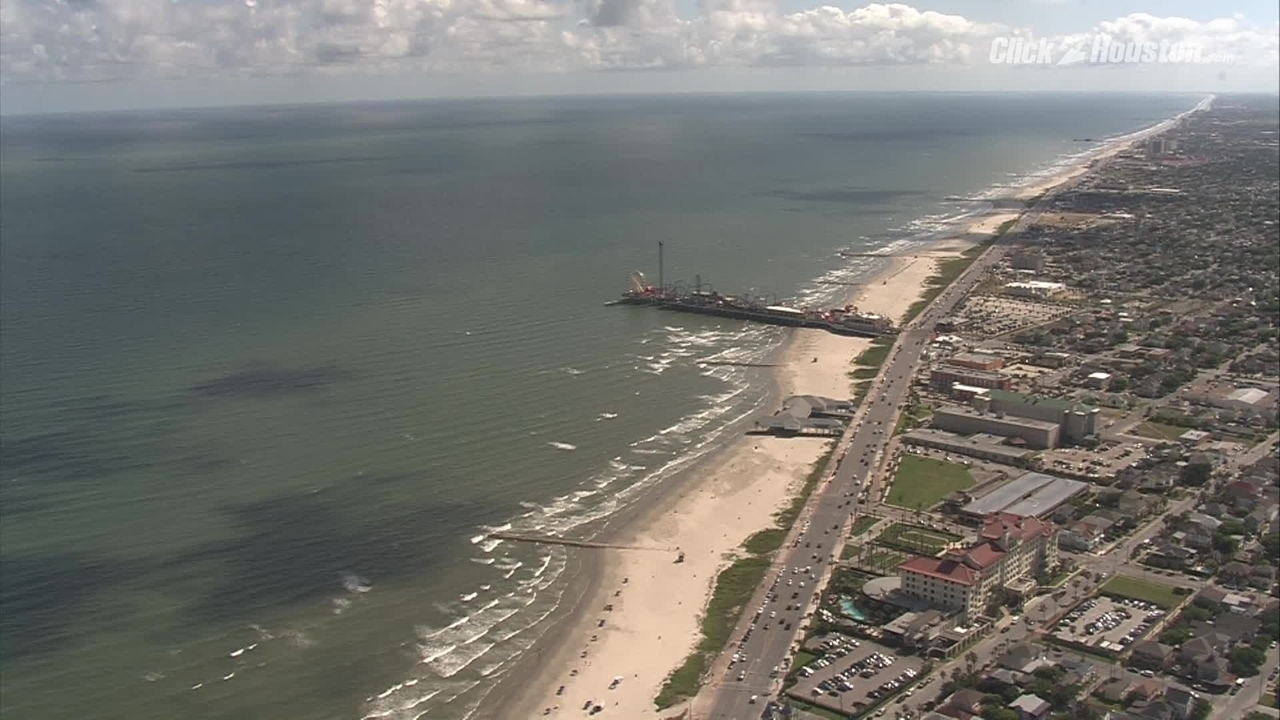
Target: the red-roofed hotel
pixel 1010 551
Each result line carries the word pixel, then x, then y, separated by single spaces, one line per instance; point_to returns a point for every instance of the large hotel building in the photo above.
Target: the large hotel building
pixel 1008 554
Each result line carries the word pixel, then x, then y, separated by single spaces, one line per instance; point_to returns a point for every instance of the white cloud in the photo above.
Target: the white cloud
pixel 92 40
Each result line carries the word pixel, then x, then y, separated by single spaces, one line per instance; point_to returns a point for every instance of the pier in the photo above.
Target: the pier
pixel 680 297
pixel 841 321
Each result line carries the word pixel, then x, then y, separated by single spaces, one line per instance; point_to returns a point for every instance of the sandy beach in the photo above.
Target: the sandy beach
pixel 656 603
pixel 619 658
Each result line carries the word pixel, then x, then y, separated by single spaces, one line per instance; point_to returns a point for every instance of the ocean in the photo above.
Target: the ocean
pixel 269 375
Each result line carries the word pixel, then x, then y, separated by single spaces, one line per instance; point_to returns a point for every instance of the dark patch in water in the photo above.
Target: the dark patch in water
pixel 270 382
pixel 66 454
pixel 296 548
pixel 387 479
pixel 853 197
pixel 41 597
pixel 259 164
pixel 891 134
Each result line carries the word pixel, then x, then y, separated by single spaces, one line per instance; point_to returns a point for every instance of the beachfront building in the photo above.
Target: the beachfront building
pixel 941 378
pixel 1009 553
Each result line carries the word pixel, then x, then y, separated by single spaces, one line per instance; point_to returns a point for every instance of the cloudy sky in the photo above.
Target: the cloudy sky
pixel 116 54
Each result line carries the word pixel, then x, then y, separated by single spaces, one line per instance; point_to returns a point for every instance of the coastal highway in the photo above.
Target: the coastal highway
pixel 738 688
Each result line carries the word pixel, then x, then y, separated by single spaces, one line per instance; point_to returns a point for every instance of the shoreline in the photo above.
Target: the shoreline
pixel 732 492
pixel 655 623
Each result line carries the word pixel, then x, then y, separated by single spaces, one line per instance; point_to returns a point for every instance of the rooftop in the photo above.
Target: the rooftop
pixel 1029 495
pixel 968 372
pixel 1252 396
pixel 948 569
pixel 1009 419
pixel 1023 528
pixel 1016 397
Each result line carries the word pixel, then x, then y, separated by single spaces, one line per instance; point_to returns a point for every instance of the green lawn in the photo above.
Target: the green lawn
pixel 1140 589
pixel 948 270
pixel 1159 430
pixel 921 483
pixel 815 709
pixel 874 356
pixel 803 657
pixel 733 590
pixel 862 524
pixel 915 539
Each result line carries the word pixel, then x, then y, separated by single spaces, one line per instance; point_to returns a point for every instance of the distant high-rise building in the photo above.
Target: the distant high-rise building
pixel 1032 259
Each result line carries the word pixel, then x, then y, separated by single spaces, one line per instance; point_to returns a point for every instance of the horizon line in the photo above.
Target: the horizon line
pixel 614 95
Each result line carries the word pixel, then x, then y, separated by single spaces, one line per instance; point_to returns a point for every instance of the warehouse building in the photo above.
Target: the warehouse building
pixel 1075 420
pixel 1037 434
pixel 980 446
pixel 1029 495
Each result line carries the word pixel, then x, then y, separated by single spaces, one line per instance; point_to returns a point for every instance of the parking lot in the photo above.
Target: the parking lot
pixel 1004 314
pixel 852 673
pixel 1108 624
pixel 1105 461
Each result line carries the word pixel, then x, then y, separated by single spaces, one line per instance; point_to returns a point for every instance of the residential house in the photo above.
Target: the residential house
pixel 1241 494
pixel 1235 574
pixel 1216 509
pixel 1023 657
pixel 1260 519
pixel 966 700
pixel 1151 655
pixel 1182 700
pixel 1159 710
pixel 1196 651
pixel 1262 577
pixel 1134 504
pixel 1079 536
pixel 1196 537
pixel 1238 628
pixel 1145 690
pixel 1211 597
pixel 1078 666
pixel 1215 673
pixel 1207 522
pixel 1005 676
pixel 1031 707
pixel 1220 641
pixel 1170 555
pixel 1237 603
pixel 1113 690
pixel 955 713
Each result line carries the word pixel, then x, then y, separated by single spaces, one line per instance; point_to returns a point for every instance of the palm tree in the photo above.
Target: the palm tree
pixel 971 659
